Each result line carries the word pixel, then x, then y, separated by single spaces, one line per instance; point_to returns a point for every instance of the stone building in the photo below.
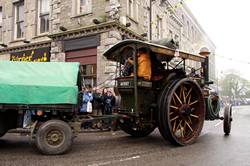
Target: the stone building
pixel 81 30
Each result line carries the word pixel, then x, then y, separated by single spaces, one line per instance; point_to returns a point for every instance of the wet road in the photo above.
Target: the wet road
pixel 97 149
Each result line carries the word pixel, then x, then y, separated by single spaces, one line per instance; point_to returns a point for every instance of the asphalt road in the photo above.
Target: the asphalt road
pixel 97 149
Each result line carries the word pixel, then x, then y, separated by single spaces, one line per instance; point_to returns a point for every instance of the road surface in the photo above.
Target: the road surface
pixel 100 149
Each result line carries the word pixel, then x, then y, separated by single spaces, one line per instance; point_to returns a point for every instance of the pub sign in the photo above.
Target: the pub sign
pixel 34 55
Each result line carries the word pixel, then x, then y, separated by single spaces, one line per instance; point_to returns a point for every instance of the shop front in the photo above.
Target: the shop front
pixel 84 50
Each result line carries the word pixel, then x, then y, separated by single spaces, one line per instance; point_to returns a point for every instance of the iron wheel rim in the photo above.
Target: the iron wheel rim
pixel 185 111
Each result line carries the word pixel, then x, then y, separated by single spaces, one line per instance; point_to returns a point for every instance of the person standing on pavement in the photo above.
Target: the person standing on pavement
pixel 109 102
pixel 97 102
pixel 87 98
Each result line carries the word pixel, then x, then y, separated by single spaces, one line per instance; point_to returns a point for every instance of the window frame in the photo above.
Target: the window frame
pixel 90 76
pixel 39 18
pixel 133 9
pixel 18 22
pixel 159 27
pixel 76 7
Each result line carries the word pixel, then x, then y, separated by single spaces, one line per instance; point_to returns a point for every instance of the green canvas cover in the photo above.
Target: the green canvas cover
pixel 38 82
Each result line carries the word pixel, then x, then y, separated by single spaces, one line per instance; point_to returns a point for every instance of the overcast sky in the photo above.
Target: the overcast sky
pixel 227 23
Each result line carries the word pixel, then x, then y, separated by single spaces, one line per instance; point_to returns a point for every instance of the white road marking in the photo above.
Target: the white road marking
pixel 218 124
pixel 209 128
pixel 115 161
pixel 130 158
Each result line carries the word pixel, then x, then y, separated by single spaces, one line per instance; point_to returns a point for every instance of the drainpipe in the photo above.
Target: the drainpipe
pixel 150 19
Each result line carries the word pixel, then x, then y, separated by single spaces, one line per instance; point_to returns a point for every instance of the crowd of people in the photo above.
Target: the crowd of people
pixel 97 102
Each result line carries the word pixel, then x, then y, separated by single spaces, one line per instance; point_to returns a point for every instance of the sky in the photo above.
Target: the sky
pixel 227 23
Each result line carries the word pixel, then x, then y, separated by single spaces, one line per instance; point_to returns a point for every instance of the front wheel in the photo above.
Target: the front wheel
pixel 134 130
pixel 227 119
pixel 54 137
pixel 182 112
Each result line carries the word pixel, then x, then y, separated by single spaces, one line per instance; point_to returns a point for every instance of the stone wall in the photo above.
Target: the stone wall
pixel 30 23
pixel 5 57
pixel 106 70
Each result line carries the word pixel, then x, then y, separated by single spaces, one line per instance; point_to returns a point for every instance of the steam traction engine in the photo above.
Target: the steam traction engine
pixel 177 99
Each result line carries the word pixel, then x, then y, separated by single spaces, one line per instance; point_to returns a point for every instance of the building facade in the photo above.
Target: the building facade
pixel 81 30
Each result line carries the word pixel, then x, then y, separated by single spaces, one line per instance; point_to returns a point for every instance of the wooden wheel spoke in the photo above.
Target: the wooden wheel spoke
pixel 189 99
pixel 181 89
pixel 189 126
pixel 196 101
pixel 178 126
pixel 184 97
pixel 171 113
pixel 189 92
pixel 177 98
pixel 174 100
pixel 174 118
pixel 184 128
pixel 174 107
pixel 174 126
pixel 182 131
pixel 194 116
pixel 189 119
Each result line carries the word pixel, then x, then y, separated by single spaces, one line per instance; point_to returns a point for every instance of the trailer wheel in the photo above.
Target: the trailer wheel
pixel 227 119
pixel 182 112
pixel 54 137
pixel 135 130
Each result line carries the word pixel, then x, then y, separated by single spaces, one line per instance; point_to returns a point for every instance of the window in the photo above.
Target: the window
pixel 19 19
pixel 88 73
pixel 177 39
pixel 159 27
pixel 188 30
pixel 82 7
pixel 44 9
pixel 133 8
pixel 192 35
pixel 183 19
pixel 85 6
pixel 170 34
pixel 1 22
pixel 183 24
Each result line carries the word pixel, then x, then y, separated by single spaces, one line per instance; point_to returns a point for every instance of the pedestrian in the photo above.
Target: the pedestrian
pixel 104 93
pixel 97 102
pixel 108 102
pixel 87 98
pixel 97 107
pixel 86 107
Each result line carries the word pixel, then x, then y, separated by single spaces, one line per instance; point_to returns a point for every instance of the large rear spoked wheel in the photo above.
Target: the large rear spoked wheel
pixel 182 112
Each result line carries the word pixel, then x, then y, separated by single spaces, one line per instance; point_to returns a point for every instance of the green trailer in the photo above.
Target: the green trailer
pixel 50 91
